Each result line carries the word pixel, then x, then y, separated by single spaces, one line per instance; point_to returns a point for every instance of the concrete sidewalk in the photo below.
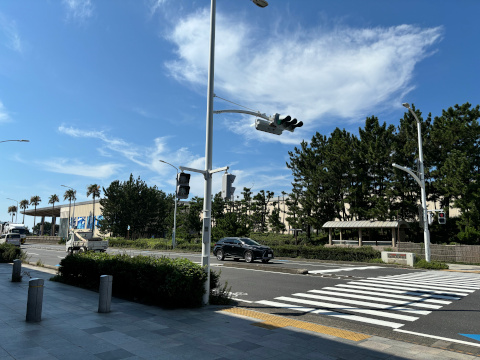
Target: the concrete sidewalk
pixel 71 328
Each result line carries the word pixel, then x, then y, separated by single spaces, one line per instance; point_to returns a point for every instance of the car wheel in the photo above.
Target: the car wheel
pixel 81 250
pixel 249 257
pixel 265 261
pixel 220 255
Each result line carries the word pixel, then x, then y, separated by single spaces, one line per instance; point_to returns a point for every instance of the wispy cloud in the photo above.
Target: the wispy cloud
pixel 313 74
pixel 4 117
pixel 155 6
pixel 147 156
pixel 78 10
pixel 10 32
pixel 142 112
pixel 127 150
pixel 75 167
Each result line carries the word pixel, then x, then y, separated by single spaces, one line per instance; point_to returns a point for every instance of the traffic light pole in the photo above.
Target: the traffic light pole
pixel 207 197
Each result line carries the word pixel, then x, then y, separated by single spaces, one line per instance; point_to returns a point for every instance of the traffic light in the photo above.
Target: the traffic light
pixel 227 188
pixel 267 126
pixel 183 187
pixel 285 122
pixel 430 218
pixel 441 218
pixel 277 124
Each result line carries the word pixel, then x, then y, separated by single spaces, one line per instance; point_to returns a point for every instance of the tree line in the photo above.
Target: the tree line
pixel 348 177
pixel 336 176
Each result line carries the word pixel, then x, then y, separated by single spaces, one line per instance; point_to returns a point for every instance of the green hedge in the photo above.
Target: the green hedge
pixel 158 281
pixel 9 252
pixel 363 254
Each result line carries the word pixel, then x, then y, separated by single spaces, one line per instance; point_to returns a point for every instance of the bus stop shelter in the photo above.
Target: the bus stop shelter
pixel 397 228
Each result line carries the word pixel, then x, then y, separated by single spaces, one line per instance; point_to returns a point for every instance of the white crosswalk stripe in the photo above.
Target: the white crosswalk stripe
pixel 389 301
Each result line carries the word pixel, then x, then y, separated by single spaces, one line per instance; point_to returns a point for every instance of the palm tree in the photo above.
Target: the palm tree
pixel 52 200
pixel 12 210
pixel 93 190
pixel 69 195
pixel 23 205
pixel 35 200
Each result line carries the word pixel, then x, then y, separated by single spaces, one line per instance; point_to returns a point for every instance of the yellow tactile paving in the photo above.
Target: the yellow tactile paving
pixel 274 321
pixel 465 271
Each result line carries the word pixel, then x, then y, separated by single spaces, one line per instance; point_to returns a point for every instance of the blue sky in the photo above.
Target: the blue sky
pixel 106 88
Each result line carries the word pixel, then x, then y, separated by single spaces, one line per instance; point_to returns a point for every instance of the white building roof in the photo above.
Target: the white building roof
pixel 362 224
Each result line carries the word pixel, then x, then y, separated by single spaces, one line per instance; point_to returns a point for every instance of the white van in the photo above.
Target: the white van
pixel 13 239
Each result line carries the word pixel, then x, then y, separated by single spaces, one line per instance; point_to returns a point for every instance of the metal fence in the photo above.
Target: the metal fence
pixel 447 253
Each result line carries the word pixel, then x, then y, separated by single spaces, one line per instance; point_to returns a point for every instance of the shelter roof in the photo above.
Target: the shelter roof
pixel 363 224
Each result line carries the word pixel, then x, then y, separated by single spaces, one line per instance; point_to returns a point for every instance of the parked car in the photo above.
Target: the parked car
pixel 242 248
pixel 11 238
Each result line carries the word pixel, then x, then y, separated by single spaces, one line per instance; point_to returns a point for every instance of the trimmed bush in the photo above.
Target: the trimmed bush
pixel 9 252
pixel 158 281
pixel 363 254
pixel 434 264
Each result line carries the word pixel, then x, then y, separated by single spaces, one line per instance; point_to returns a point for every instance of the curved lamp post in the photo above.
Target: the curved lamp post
pixel 421 181
pixel 15 140
pixel 175 211
pixel 207 200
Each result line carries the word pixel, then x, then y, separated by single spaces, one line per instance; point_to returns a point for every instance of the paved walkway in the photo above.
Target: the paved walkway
pixel 71 328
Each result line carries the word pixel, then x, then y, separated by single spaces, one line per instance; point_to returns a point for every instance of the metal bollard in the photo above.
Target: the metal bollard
pixel 17 270
pixel 35 299
pixel 105 291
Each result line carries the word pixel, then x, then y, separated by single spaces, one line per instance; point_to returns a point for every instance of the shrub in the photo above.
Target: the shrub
pixel 434 264
pixel 9 252
pixel 157 281
pixel 362 254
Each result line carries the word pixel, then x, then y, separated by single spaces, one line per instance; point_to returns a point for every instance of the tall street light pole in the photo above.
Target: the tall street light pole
pixel 207 199
pixel 175 211
pixel 16 212
pixel 421 181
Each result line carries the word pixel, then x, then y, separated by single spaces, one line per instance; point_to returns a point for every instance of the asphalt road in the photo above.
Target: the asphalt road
pixel 417 305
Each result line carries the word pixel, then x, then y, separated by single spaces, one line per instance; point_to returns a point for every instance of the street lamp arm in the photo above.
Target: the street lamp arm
pixel 254 113
pixel 168 164
pixel 417 179
pixel 15 140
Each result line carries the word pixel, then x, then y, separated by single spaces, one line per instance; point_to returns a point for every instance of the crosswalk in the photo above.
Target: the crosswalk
pixel 389 301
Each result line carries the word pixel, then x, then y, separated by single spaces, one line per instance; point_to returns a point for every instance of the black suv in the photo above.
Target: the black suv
pixel 242 248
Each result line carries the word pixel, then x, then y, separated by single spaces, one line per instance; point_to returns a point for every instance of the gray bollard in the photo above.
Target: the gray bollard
pixel 35 299
pixel 105 291
pixel 17 271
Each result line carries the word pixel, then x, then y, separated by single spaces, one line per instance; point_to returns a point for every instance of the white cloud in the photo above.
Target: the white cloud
pixel 147 156
pixel 155 5
pixel 75 167
pixel 142 112
pixel 12 37
pixel 308 73
pixel 78 9
pixel 127 150
pixel 4 117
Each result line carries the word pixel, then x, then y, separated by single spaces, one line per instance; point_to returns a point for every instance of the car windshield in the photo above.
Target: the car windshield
pixel 249 241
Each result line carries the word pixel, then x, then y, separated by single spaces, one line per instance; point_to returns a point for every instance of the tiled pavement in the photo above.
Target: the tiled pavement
pixel 71 328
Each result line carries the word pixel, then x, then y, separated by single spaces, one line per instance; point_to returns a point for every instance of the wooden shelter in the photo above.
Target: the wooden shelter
pixel 397 228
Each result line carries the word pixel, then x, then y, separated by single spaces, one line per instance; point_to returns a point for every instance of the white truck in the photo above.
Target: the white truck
pixel 11 228
pixel 83 240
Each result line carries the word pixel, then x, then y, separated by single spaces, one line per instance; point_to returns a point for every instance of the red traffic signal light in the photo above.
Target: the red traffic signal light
pixel 441 218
